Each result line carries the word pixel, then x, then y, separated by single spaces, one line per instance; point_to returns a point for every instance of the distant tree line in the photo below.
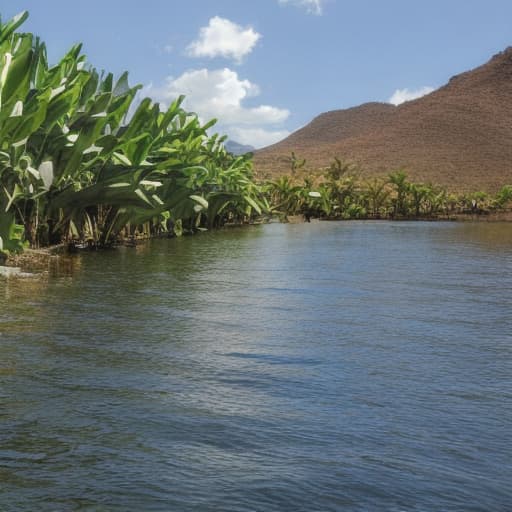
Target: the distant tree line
pixel 339 192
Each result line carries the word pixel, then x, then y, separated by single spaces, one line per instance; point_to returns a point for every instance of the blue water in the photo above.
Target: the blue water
pixel 344 366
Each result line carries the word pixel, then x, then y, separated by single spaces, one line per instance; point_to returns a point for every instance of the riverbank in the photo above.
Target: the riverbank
pixel 31 261
pixel 486 216
pixel 42 261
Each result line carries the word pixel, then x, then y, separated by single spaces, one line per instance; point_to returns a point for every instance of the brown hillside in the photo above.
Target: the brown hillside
pixel 459 136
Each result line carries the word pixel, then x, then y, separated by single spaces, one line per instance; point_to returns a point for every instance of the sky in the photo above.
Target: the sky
pixel 265 68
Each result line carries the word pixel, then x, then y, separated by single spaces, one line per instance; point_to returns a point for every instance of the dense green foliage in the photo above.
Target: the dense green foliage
pixel 82 159
pixel 340 193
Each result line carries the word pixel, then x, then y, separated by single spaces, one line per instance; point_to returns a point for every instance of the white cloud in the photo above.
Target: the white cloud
pixel 223 38
pixel 402 95
pixel 221 94
pixel 257 137
pixel 311 6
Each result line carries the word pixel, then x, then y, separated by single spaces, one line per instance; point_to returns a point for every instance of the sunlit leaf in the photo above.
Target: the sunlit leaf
pixel 200 200
pixel 46 173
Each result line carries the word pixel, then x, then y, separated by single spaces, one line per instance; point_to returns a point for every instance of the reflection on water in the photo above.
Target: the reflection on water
pixel 65 265
pixel 489 236
pixel 327 366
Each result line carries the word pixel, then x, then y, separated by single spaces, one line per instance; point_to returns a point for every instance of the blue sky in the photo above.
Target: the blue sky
pixel 267 67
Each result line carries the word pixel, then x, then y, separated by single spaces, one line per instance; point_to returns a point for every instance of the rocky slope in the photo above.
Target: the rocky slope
pixel 459 136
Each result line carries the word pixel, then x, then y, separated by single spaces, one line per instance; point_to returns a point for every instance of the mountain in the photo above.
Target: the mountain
pixel 459 136
pixel 236 148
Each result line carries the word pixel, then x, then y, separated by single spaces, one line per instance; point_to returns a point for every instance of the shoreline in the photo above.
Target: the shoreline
pixel 37 262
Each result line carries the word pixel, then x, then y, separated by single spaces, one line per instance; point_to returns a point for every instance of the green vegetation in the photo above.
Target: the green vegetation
pixel 339 192
pixel 81 161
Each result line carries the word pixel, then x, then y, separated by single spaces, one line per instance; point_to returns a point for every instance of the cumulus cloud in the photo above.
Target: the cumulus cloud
pixel 311 6
pixel 221 94
pixel 402 95
pixel 257 137
pixel 223 38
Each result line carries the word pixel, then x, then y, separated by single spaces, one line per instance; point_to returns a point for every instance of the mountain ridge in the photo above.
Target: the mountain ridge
pixel 459 136
pixel 237 148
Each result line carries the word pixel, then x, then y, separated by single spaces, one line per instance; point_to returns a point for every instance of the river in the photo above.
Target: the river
pixel 331 366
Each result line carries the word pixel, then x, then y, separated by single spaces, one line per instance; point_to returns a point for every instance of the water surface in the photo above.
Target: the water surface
pixel 349 366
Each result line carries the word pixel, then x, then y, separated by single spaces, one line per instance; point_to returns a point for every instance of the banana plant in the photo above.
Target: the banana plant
pixel 74 161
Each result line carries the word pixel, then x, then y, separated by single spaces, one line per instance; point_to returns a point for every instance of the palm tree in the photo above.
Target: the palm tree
pixel 399 180
pixel 419 194
pixel 338 169
pixel 376 196
pixel 503 197
pixel 284 196
pixel 295 163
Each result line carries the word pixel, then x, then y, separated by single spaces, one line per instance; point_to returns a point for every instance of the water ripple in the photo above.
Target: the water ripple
pixel 324 367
